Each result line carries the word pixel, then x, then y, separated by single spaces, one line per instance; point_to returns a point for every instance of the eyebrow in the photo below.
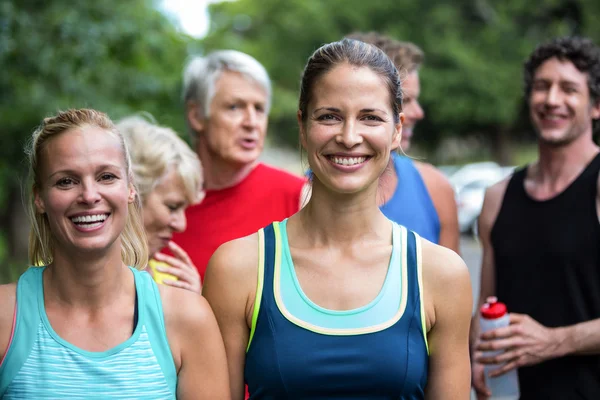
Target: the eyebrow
pixel 73 172
pixel 364 110
pixel 561 82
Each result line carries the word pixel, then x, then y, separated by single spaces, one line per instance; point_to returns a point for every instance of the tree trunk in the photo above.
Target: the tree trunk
pixel 501 146
pixel 18 226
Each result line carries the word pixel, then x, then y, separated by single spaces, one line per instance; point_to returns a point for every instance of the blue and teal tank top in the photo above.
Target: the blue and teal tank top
pixel 300 350
pixel 41 365
pixel 411 205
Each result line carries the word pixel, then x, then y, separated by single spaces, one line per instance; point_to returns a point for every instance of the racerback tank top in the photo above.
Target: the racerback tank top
pixel 41 365
pixel 303 351
pixel 547 261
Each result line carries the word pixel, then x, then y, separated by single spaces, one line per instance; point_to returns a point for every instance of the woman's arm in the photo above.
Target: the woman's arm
pixel 196 344
pixel 230 288
pixel 8 298
pixel 448 305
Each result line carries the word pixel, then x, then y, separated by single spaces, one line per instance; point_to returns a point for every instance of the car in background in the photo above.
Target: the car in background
pixel 470 183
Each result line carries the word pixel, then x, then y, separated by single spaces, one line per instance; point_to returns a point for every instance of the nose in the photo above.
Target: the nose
pixel 179 221
pixel 419 113
pixel 349 136
pixel 250 117
pixel 553 96
pixel 413 111
pixel 89 193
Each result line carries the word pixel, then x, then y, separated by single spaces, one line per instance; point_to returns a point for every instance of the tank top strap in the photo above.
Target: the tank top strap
pixel 264 289
pixel 592 170
pixel 152 316
pixel 27 321
pixel 414 266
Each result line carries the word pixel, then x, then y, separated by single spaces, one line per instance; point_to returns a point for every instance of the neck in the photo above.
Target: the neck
pixel 220 174
pixel 86 280
pixel 334 219
pixel 563 163
pixel 387 183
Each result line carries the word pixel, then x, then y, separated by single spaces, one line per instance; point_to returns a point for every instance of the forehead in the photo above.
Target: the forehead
pixel 349 85
pixel 82 148
pixel 234 85
pixel 411 85
pixel 556 70
pixel 170 185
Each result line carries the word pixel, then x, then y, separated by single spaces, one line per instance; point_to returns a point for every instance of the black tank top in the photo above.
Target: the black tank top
pixel 547 258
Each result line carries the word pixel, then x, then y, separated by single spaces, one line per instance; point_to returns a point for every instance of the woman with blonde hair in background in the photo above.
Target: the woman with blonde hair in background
pixel 168 177
pixel 87 323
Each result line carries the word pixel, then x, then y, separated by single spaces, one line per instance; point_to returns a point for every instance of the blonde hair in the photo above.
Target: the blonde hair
pixel 134 246
pixel 154 151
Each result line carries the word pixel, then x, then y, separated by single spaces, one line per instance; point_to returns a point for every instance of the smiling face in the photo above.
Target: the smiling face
pixel 84 190
pixel 560 105
pixel 349 130
pixel 412 110
pixel 164 211
pixel 234 133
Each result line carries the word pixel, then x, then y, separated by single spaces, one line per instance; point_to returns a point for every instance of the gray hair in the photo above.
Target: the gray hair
pixel 201 74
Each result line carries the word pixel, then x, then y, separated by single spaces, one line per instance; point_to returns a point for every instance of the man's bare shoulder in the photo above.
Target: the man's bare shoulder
pixel 492 202
pixel 437 184
pixel 430 173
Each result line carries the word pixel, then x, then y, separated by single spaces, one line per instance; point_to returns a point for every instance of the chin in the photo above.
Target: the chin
pixel 245 158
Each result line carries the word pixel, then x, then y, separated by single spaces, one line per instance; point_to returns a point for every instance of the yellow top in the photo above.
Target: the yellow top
pixel 157 275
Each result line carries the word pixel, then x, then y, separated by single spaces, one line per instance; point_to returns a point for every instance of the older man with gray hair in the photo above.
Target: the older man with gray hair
pixel 227 98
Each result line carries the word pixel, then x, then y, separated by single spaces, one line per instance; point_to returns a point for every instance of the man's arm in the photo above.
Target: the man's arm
pixel 444 200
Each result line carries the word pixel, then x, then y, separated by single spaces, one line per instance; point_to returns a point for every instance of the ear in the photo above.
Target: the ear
pixel 39 202
pixel 596 110
pixel 194 116
pixel 132 194
pixel 398 132
pixel 302 128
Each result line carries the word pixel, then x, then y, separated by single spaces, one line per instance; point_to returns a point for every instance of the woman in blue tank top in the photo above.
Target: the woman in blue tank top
pixel 81 323
pixel 338 301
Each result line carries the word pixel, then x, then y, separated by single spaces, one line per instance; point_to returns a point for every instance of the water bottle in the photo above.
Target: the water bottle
pixel 503 387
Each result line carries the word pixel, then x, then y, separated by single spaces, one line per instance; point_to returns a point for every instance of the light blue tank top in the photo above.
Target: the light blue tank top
pixel 411 205
pixel 41 365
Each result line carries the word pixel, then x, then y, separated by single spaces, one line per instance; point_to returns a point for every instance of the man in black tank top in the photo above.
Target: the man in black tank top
pixel 541 236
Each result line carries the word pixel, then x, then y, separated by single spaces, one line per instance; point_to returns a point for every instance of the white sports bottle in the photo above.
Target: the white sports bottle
pixel 503 387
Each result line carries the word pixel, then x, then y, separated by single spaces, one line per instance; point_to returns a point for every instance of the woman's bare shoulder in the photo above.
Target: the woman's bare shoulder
pixel 443 269
pixel 8 299
pixel 236 260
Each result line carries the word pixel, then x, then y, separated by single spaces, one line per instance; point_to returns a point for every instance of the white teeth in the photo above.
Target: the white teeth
pixel 86 219
pixel 348 160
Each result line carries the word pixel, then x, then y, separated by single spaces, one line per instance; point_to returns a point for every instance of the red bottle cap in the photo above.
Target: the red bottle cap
pixel 493 309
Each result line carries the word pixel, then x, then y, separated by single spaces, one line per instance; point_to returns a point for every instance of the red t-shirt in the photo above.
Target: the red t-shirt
pixel 267 194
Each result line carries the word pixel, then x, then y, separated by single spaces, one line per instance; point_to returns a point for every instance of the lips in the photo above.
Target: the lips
pixel 248 144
